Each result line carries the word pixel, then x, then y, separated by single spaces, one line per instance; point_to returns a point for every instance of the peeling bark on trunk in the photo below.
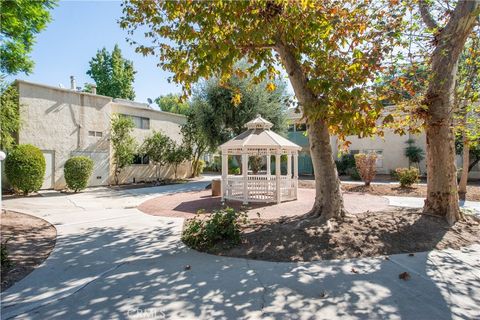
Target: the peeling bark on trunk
pixel 442 194
pixel 462 185
pixel 328 198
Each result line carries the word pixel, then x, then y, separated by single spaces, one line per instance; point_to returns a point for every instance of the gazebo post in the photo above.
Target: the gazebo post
pixel 269 172
pixel 245 176
pixel 295 173
pixel 224 173
pixel 289 165
pixel 277 176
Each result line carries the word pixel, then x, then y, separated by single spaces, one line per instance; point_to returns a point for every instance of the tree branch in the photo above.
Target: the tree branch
pixel 426 16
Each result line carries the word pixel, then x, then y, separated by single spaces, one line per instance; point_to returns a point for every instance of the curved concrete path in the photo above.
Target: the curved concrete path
pixel 113 262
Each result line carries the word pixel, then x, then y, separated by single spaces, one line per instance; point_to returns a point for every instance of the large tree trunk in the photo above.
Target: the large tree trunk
pixel 442 195
pixel 462 185
pixel 328 198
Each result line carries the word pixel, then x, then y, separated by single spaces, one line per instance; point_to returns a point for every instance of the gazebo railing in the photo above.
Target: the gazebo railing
pixel 260 188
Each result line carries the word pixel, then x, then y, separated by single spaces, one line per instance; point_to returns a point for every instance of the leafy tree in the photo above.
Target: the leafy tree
pixel 21 21
pixel 222 119
pixel 157 148
pixel 123 143
pixel 176 155
pixel 449 35
pixel 195 138
pixel 171 103
pixel 414 153
pixel 331 51
pixel 113 74
pixel 9 116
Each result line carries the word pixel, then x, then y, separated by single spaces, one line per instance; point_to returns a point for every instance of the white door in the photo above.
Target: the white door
pixel 101 167
pixel 48 180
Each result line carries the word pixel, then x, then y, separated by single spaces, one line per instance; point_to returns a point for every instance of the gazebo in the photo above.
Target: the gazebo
pixel 263 186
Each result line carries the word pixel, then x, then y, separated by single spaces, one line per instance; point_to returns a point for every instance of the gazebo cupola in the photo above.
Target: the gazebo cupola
pixel 256 185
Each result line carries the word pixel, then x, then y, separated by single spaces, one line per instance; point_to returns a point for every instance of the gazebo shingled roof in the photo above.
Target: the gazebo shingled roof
pixel 258 135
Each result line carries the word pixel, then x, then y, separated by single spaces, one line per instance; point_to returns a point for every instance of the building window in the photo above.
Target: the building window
pixel 141 159
pixel 300 127
pixel 97 134
pixel 140 122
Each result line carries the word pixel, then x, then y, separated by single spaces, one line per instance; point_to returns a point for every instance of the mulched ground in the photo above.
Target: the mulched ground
pixel 473 191
pixel 359 235
pixel 29 242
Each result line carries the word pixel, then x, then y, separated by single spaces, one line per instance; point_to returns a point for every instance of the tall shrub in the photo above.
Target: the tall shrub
pixel 77 171
pixel 366 166
pixel 25 168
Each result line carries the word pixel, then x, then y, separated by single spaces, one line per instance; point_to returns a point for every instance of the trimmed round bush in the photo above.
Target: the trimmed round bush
pixel 77 171
pixel 407 176
pixel 25 168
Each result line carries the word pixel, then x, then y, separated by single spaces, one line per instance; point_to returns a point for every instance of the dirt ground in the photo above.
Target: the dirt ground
pixel 29 242
pixel 473 191
pixel 360 235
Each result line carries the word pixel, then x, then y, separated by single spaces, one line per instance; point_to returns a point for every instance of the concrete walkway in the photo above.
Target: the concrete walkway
pixel 113 262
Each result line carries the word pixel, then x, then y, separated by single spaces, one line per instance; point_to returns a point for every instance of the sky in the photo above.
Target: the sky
pixel 80 28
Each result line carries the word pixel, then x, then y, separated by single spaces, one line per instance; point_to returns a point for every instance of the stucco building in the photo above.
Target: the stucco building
pixel 65 123
pixel 390 148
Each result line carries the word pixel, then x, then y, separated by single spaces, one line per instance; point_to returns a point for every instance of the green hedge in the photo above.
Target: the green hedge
pixel 77 171
pixel 25 168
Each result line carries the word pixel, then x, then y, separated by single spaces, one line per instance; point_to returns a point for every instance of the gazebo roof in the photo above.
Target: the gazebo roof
pixel 258 135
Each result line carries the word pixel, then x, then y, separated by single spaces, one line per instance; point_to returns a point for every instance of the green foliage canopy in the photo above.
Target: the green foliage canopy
pixel 171 103
pixel 113 74
pixel 21 21
pixel 9 116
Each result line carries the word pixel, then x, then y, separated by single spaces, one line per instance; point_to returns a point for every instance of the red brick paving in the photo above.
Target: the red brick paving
pixel 186 204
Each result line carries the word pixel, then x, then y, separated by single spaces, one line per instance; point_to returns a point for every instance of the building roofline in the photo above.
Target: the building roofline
pixel 62 89
pixel 122 102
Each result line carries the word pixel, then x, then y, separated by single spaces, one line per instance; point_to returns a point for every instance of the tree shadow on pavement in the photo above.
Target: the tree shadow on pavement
pixel 113 272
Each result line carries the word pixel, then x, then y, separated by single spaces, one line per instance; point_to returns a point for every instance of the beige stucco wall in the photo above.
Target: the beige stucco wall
pixel 392 146
pixel 168 123
pixel 58 120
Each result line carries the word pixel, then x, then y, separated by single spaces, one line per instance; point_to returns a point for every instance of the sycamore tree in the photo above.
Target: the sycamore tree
pixel 449 30
pixel 123 143
pixel 330 50
pixel 113 74
pixel 21 21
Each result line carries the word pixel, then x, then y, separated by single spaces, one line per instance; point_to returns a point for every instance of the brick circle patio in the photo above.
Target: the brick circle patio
pixel 186 204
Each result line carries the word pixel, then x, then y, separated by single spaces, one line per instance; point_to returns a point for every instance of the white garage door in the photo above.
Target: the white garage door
pixel 48 180
pixel 101 167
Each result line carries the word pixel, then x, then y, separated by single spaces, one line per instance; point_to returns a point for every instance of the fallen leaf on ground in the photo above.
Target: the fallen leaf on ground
pixel 354 270
pixel 187 267
pixel 404 276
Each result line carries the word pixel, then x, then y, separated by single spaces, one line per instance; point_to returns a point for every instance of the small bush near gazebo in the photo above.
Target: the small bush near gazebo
pixel 25 168
pixel 77 171
pixel 221 227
